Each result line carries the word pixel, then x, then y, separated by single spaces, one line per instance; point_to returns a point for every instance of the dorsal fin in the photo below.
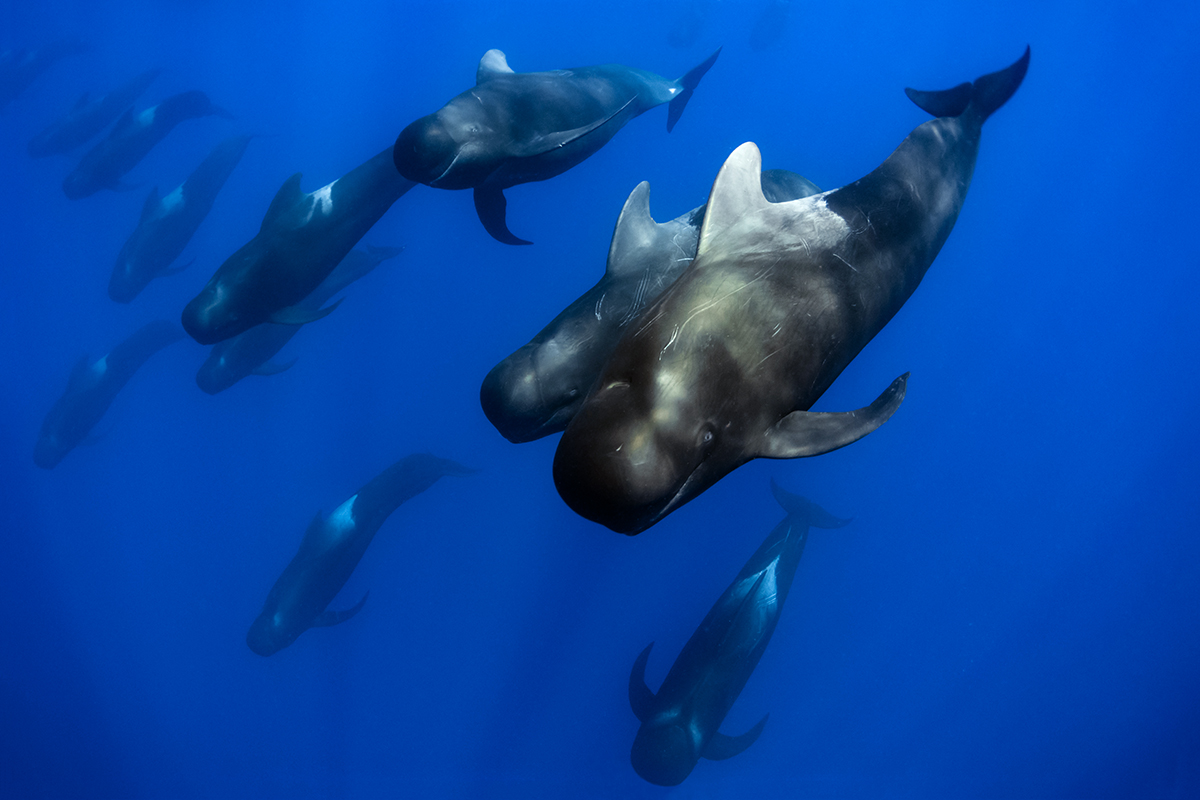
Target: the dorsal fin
pixel 492 64
pixel 635 230
pixel 150 206
pixel 312 535
pixel 78 371
pixel 736 191
pixel 288 195
pixel 124 122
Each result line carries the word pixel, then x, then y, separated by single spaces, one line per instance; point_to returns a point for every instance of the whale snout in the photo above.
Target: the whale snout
pixel 521 404
pixel 424 150
pixel 663 754
pixel 208 320
pixel 265 638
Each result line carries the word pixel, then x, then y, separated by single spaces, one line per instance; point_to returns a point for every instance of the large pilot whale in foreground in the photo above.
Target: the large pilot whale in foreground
pixel 537 390
pixel 680 723
pixel 724 366
pixel 332 548
pixel 517 127
pixel 302 238
pixel 93 386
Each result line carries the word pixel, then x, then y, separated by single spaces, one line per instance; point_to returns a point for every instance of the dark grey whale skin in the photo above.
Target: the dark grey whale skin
pixel 88 117
pixel 332 548
pixel 248 352
pixel 168 223
pixel 724 367
pixel 536 391
pixel 130 140
pixel 92 387
pixel 680 723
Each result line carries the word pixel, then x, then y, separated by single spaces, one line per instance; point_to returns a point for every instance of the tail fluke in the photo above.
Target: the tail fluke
pixel 980 98
pixel 802 507
pixel 689 83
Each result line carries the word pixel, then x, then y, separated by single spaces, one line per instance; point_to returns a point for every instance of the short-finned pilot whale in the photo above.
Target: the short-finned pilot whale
pixel 92 387
pixel 249 352
pixel 88 117
pixel 680 723
pixel 21 67
pixel 168 223
pixel 725 365
pixel 537 390
pixel 131 139
pixel 518 127
pixel 332 548
pixel 302 238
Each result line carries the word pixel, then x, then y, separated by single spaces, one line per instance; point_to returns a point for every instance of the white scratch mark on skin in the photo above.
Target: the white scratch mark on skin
pixel 599 304
pixel 844 261
pixel 674 336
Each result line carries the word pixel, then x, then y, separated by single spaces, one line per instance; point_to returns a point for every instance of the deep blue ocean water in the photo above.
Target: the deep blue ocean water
pixel 1013 613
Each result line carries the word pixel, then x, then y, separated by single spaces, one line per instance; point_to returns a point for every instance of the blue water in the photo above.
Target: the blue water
pixel 1012 613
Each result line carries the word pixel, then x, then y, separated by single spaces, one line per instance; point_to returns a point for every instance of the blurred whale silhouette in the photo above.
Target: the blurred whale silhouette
pixel 680 723
pixel 518 127
pixel 88 117
pixel 21 67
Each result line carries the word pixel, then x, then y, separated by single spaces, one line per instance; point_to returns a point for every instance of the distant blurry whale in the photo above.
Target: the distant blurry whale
pixel 537 390
pixel 517 127
pixel 21 67
pixel 167 224
pixel 88 117
pixel 680 723
pixel 248 352
pixel 302 238
pixel 131 139
pixel 724 367
pixel 91 389
pixel 332 548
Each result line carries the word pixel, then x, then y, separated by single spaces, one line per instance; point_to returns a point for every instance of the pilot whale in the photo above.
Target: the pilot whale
pixel 168 223
pixel 680 723
pixel 131 139
pixel 21 67
pixel 302 238
pixel 332 548
pixel 537 390
pixel 724 366
pixel 92 387
pixel 518 127
pixel 88 117
pixel 250 352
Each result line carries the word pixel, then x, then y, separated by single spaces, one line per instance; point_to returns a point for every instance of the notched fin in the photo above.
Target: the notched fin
pixel 285 199
pixel 635 230
pixel 492 209
pixel 327 618
pixel 492 64
pixel 298 315
pixel 811 433
pixel 720 746
pixel 641 699
pixel 737 190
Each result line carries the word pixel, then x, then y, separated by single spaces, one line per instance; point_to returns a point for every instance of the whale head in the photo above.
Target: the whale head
pixel 447 150
pixel 270 633
pixel 537 390
pixel 228 303
pixel 664 753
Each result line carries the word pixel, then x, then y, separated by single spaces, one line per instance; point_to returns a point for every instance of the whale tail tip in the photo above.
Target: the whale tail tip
pixel 688 82
pixel 982 97
pixel 795 505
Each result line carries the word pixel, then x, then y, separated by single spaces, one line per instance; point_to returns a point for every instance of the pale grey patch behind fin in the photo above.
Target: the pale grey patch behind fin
pixel 492 64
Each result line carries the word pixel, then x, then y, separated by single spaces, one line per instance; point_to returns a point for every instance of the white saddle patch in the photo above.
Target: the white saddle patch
pixel 146 118
pixel 340 524
pixel 172 201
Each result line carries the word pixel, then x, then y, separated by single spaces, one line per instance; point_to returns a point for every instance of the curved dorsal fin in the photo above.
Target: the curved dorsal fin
pixel 736 191
pixel 492 64
pixel 288 195
pixel 635 230
pixel 151 205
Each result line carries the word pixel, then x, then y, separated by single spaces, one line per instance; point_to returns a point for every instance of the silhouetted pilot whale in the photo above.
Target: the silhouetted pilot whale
pixel 537 390
pixel 724 366
pixel 21 67
pixel 518 127
pixel 168 223
pixel 88 117
pixel 91 389
pixel 332 548
pixel 680 723
pixel 302 238
pixel 131 139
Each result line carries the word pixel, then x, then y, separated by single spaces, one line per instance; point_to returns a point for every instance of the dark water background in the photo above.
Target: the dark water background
pixel 1015 611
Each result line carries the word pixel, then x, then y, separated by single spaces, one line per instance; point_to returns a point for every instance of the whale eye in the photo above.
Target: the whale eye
pixel 573 393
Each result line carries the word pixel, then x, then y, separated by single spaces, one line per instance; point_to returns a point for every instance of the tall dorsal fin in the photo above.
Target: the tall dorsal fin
pixel 635 230
pixel 312 536
pixel 736 191
pixel 492 64
pixel 79 371
pixel 124 122
pixel 288 195
pixel 150 206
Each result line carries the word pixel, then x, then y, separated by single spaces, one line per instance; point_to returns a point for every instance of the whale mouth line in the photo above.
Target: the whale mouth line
pixel 434 183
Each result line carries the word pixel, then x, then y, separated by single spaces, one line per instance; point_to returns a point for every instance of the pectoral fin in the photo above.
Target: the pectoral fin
pixel 328 618
pixel 491 207
pixel 273 368
pixel 175 270
pixel 297 315
pixel 809 433
pixel 721 746
pixel 641 699
pixel 545 142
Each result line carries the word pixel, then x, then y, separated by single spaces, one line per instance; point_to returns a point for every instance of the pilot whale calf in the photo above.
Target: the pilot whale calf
pixel 168 223
pixel 724 366
pixel 131 139
pixel 332 548
pixel 537 390
pixel 249 352
pixel 302 238
pixel 92 387
pixel 680 724
pixel 518 127
pixel 88 117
